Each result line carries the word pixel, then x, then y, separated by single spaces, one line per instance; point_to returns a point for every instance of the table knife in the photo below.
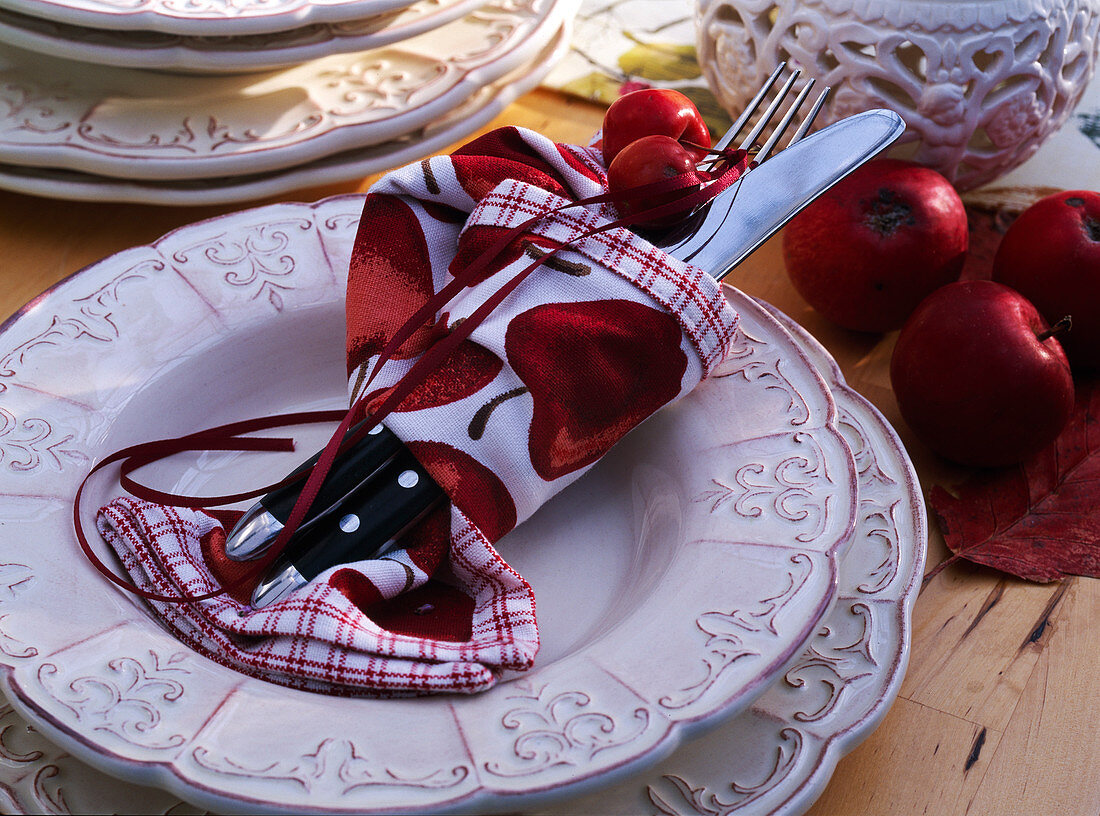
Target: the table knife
pixel 257 528
pixel 372 508
pixel 368 523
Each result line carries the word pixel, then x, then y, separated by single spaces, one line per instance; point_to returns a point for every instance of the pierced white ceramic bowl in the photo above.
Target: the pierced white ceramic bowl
pixel 705 546
pixel 980 83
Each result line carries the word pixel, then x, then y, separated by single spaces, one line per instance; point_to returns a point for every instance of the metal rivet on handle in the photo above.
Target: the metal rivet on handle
pixel 408 478
pixel 349 523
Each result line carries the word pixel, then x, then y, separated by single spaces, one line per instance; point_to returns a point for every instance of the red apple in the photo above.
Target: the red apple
pixel 871 248
pixel 1051 255
pixel 978 378
pixel 653 112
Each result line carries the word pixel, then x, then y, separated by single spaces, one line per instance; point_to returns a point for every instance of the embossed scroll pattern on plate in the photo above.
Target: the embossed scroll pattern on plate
pixel 839 687
pixel 107 358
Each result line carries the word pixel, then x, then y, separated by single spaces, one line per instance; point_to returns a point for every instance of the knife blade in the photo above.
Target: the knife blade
pixel 726 231
pixel 737 222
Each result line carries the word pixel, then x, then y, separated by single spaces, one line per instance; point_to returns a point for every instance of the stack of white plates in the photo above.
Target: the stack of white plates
pixel 724 600
pixel 216 101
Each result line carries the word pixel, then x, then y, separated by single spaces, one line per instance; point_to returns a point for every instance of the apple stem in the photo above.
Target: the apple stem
pixel 1063 325
pixel 481 417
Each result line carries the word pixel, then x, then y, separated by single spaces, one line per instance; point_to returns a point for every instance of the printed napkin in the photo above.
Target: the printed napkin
pixel 603 332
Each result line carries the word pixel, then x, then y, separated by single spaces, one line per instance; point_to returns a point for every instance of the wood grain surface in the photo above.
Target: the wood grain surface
pixel 998 712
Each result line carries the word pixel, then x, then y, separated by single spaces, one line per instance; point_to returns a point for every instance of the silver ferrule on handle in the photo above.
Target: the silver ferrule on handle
pixel 277 585
pixel 252 534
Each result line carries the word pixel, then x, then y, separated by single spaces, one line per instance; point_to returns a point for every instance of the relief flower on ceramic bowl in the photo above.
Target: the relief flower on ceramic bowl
pixel 944 103
pixel 1014 121
pixel 847 101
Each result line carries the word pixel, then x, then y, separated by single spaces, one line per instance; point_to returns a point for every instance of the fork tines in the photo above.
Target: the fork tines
pixel 749 142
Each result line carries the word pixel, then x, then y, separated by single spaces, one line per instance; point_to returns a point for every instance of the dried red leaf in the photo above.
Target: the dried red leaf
pixel 1039 520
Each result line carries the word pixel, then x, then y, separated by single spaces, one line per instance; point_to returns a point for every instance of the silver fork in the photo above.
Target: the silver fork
pixel 688 239
pixel 777 187
pixel 773 108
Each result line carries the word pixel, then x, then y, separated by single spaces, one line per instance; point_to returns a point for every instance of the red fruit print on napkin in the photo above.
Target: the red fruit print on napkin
pixel 590 386
pixel 472 486
pixel 401 274
pixel 469 369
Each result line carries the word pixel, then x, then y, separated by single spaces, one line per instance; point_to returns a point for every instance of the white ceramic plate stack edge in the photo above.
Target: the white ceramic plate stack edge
pixel 97 132
pixel 748 621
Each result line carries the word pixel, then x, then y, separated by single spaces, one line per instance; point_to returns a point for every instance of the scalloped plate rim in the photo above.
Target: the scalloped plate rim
pixel 673 734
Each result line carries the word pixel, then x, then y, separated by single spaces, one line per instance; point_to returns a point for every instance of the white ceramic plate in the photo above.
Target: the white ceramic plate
pixel 223 55
pixel 777 757
pixel 705 546
pixel 473 114
pixel 142 125
pixel 774 758
pixel 202 18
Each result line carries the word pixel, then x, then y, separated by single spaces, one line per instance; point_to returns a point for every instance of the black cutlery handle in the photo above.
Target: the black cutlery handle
pixel 349 469
pixel 370 521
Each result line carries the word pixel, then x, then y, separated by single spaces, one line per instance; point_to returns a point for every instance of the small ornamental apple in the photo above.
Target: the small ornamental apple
pixel 1051 255
pixel 646 161
pixel 653 112
pixel 871 248
pixel 979 376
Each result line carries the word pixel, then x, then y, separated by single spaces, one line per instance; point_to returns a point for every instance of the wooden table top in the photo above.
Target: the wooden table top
pixel 997 714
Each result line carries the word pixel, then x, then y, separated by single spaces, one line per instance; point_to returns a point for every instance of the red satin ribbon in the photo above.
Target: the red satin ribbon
pixel 224 438
pixel 732 164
